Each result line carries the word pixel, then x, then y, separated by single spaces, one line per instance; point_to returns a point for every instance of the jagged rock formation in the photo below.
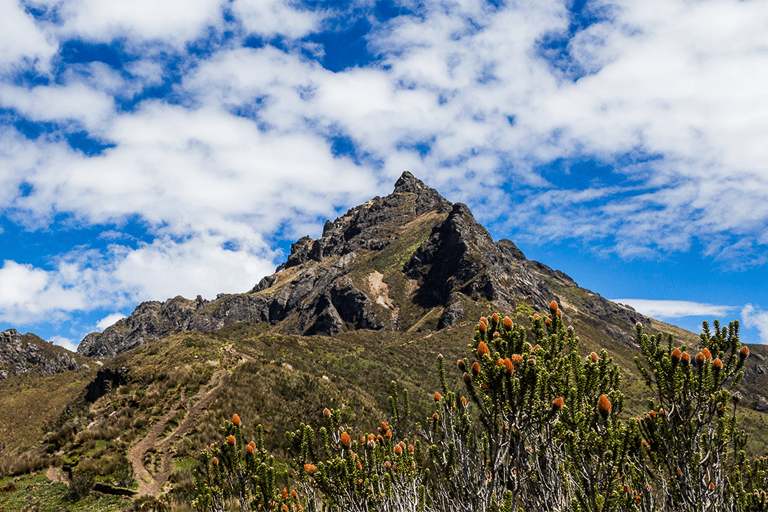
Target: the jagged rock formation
pixel 28 353
pixel 410 260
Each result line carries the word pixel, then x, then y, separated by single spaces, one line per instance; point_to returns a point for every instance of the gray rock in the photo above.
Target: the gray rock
pixel 28 353
pixel 319 291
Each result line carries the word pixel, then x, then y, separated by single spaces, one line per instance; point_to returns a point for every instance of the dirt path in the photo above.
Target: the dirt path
pixel 152 482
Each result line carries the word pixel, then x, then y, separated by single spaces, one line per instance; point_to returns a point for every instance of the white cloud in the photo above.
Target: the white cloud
pixel 241 150
pixel 754 317
pixel 171 21
pixel 108 320
pixel 67 343
pixel 30 294
pixel 21 39
pixel 271 17
pixel 73 102
pixel 662 309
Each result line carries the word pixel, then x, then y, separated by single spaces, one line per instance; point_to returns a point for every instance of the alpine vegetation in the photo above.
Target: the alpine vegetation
pixel 535 427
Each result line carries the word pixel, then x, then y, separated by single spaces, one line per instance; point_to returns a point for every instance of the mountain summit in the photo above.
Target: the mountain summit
pixel 408 261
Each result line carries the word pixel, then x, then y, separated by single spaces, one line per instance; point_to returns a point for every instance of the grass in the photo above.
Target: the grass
pixel 51 496
pixel 287 381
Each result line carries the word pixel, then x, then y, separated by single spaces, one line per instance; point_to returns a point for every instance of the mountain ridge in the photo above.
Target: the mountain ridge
pixel 28 353
pixel 409 260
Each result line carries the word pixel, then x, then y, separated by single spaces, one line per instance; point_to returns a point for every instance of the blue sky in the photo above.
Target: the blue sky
pixel 154 148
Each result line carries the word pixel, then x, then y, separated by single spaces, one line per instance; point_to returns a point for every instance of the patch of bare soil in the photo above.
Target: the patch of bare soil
pixel 151 481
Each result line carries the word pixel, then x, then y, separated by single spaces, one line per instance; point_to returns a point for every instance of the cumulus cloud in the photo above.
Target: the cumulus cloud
pixel 29 294
pixel 67 343
pixel 667 94
pixel 675 308
pixel 754 317
pixel 21 41
pixel 137 21
pixel 109 320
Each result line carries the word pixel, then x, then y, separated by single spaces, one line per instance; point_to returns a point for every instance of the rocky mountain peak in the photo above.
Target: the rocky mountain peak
pixel 411 260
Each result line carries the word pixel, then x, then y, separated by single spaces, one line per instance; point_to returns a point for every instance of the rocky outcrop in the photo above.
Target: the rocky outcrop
pixel 106 380
pixel 149 322
pixel 433 254
pixel 30 354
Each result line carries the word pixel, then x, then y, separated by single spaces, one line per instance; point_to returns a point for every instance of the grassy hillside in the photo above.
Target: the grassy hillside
pixel 176 392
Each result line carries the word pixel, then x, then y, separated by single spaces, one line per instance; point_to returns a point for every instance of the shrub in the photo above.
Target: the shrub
pixel 80 485
pixel 538 428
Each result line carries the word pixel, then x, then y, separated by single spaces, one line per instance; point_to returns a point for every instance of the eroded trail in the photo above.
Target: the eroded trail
pixel 151 481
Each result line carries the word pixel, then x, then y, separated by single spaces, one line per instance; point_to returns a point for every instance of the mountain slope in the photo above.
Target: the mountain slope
pixel 407 261
pixel 27 353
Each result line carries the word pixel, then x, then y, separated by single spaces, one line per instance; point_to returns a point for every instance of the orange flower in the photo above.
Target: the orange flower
pixel 496 335
pixel 700 358
pixel 604 406
pixel 410 448
pixel 548 321
pixel 463 401
pixel 685 357
pixel 213 446
pixel 711 486
pixel 559 313
pixel 508 323
pixel 249 449
pixel 553 306
pixel 536 316
pixel 285 493
pixel 499 362
pixel 482 327
pixel 310 469
pixel 236 420
pixel 537 347
pixel 435 416
pixel 508 365
pixel 475 368
pixel 437 396
pixel 327 412
pixel 557 404
pixel 707 353
pixel 593 356
pixel 467 378
pixel 495 318
pixel 461 366
pixel 231 440
pixel 215 461
pixel 517 360
pixel 744 352
pixel 346 441
pixel 398 450
pixel 388 434
pixel 718 364
pixel 359 466
pixel 482 349
pixel 675 356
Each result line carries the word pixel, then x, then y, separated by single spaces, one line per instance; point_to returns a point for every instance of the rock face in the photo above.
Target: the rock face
pixel 410 260
pixel 29 354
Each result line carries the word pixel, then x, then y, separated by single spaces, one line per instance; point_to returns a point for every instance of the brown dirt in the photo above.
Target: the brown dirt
pixel 152 482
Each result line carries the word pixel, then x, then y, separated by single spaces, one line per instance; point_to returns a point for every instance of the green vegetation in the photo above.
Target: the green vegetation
pixel 543 429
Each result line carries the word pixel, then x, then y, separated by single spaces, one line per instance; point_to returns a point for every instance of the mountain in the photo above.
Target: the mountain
pixel 410 261
pixel 386 288
pixel 27 353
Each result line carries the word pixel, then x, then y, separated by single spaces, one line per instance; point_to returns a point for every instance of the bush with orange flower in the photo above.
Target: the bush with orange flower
pixel 533 428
